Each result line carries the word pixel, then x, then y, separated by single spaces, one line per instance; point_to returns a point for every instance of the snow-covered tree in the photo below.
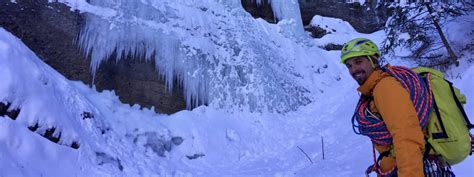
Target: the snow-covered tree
pixel 418 27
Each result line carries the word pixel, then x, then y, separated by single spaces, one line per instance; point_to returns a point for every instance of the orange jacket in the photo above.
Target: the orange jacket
pixel 393 103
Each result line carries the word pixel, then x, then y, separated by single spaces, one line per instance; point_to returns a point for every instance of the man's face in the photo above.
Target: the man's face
pixel 360 68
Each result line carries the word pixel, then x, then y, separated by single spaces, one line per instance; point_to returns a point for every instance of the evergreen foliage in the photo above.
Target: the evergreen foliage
pixel 413 26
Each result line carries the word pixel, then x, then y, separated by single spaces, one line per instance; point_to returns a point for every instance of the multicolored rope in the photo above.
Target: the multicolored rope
pixel 376 167
pixel 373 126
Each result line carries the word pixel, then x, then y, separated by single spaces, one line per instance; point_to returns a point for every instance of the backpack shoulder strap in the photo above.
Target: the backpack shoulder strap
pixel 458 103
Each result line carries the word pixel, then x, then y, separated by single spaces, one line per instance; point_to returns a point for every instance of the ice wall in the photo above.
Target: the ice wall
pixel 214 48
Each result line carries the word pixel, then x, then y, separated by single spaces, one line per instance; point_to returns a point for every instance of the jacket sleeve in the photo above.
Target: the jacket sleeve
pixel 394 104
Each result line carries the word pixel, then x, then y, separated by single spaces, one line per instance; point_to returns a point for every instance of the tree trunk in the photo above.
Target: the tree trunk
pixel 452 56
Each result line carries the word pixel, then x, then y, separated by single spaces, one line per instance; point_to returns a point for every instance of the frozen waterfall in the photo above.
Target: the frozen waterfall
pixel 237 62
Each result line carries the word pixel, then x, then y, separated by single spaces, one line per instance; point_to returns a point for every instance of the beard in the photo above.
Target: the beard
pixel 360 77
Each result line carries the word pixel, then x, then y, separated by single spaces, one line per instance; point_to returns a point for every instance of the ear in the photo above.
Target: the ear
pixel 375 57
pixel 377 61
pixel 374 61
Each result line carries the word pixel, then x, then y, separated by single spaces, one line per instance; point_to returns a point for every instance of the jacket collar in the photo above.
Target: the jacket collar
pixel 369 85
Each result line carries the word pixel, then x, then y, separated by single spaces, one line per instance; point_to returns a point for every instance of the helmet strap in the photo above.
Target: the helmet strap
pixel 372 62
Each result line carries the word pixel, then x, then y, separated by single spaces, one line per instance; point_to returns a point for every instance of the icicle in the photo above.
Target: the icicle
pixel 288 10
pixel 216 51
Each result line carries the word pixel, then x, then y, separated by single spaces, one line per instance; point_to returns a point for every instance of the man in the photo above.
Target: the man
pixel 388 102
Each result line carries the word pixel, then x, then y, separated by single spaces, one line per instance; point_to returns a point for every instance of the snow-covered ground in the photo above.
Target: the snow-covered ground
pixel 115 139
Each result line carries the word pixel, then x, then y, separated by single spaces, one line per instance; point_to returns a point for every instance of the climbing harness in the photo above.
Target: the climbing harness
pixel 434 167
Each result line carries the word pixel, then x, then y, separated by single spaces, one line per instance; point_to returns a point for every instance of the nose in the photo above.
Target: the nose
pixel 353 69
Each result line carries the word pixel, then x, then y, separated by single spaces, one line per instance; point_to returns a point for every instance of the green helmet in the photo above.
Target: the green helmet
pixel 358 47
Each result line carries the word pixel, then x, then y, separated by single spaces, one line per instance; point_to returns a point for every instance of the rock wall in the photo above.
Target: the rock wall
pixel 49 29
pixel 263 11
pixel 365 18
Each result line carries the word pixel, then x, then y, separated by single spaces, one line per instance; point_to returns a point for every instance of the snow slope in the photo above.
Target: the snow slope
pixel 116 139
pixel 233 144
